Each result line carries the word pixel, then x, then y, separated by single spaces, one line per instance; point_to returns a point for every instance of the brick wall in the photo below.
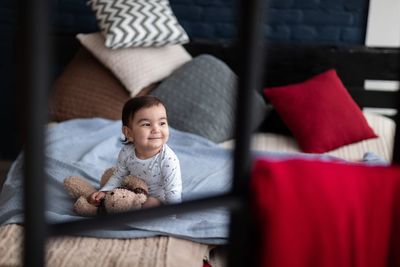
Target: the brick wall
pixel 321 21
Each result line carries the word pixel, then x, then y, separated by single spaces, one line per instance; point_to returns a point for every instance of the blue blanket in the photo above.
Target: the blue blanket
pixel 86 147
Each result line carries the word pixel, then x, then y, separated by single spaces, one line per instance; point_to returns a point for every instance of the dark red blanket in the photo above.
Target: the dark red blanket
pixel 314 213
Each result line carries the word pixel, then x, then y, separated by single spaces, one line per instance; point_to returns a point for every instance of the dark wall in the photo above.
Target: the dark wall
pixel 304 21
pixel 8 140
pixel 321 21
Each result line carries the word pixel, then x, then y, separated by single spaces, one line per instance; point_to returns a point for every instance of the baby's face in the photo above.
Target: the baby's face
pixel 148 130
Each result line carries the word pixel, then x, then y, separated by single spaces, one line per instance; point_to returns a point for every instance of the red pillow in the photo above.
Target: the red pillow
pixel 320 113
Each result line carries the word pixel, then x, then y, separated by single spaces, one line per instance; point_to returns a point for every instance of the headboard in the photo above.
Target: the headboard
pixel 290 63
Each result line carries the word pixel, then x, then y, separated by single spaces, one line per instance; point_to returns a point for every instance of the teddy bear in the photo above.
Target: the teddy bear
pixel 131 195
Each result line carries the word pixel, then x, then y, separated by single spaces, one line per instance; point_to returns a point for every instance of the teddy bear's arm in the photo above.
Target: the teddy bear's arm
pixel 77 186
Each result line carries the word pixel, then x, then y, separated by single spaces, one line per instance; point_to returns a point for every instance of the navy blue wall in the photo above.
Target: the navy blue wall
pixel 321 21
pixel 7 92
pixel 317 21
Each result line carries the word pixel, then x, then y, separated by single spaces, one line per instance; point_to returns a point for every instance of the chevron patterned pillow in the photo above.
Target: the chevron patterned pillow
pixel 137 23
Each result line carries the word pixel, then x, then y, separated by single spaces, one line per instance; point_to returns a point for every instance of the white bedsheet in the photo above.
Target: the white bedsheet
pixel 382 146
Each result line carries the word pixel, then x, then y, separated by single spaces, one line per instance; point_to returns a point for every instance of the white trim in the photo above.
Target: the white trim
pixel 381 111
pixel 381 85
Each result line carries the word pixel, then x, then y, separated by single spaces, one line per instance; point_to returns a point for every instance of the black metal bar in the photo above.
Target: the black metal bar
pixel 33 62
pixel 251 60
pixel 396 144
pixel 116 220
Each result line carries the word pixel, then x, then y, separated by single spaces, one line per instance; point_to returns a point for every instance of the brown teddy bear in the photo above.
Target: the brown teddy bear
pixel 131 195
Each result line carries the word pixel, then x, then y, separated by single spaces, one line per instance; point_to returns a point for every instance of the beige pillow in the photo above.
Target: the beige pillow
pixel 136 67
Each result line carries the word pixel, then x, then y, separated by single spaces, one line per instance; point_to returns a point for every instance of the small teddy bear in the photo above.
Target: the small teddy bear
pixel 131 195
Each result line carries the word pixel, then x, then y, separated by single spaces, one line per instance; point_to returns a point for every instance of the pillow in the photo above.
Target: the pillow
pixel 200 99
pixel 320 113
pixel 139 67
pixel 86 89
pixel 133 23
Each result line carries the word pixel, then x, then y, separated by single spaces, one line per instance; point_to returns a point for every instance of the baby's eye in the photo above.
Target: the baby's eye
pixel 163 123
pixel 146 124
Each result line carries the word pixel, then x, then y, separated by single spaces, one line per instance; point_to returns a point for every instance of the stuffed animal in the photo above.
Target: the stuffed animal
pixel 131 195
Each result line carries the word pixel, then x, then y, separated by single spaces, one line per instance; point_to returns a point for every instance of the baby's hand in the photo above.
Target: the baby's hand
pixel 151 202
pixel 96 197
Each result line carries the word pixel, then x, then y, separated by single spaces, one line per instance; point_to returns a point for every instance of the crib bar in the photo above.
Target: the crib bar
pixel 115 220
pixel 34 64
pixel 396 144
pixel 251 59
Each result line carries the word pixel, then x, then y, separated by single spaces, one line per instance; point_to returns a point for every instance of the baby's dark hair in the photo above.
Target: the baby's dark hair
pixel 136 103
pixel 133 105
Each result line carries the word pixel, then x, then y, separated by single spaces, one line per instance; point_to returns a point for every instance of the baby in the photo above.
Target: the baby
pixel 145 153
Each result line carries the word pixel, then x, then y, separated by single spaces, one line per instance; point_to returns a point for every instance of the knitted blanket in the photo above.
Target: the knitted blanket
pixel 86 251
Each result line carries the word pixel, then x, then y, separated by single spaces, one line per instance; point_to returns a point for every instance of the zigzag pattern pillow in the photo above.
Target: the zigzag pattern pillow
pixel 133 23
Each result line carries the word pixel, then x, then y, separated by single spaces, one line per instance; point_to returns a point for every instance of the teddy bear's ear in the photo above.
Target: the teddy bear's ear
pixel 77 186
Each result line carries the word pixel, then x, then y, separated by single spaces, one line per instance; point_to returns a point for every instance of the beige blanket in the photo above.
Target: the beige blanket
pixel 85 251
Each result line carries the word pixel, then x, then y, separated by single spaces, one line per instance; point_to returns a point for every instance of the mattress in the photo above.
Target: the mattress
pixel 171 251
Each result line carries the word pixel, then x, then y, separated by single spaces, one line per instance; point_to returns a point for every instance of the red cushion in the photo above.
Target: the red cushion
pixel 314 213
pixel 320 113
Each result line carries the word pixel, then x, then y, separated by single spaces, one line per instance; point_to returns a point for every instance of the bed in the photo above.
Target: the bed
pixel 91 86
pixel 73 104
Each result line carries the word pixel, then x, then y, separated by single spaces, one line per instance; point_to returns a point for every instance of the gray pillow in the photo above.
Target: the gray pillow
pixel 200 99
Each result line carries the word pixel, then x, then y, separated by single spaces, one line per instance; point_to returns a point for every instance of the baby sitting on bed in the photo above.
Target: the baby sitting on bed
pixel 145 153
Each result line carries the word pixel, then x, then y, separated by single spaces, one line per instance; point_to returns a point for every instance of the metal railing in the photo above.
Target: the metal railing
pixel 33 29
